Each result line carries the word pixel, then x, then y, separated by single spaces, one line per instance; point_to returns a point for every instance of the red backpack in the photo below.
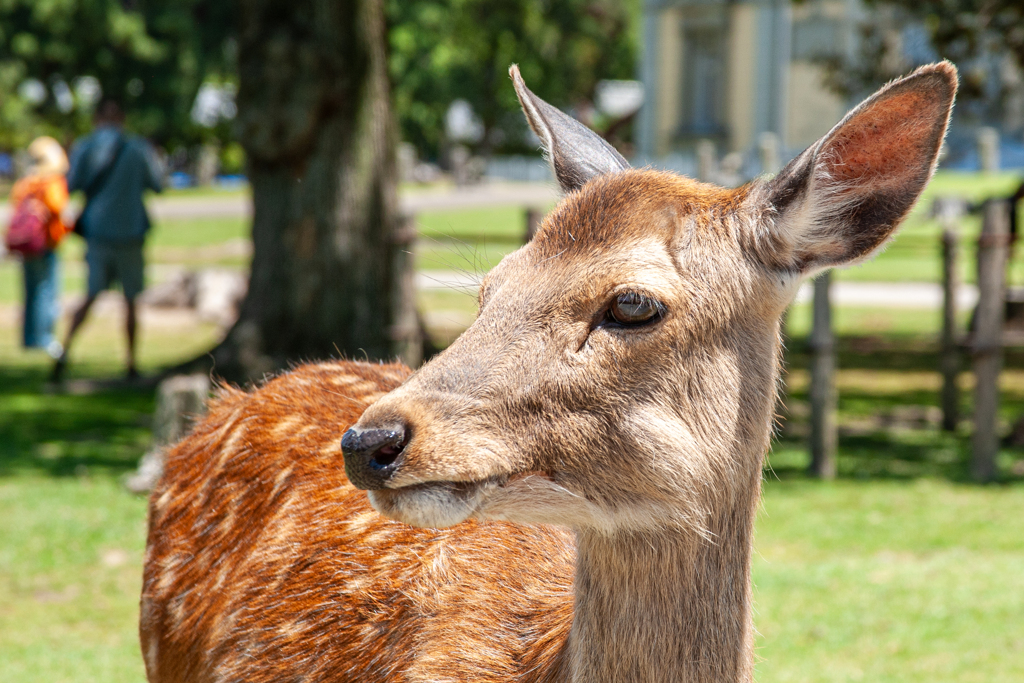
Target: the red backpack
pixel 26 233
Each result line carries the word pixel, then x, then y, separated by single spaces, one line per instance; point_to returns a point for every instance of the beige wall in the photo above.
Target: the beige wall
pixel 741 87
pixel 812 108
pixel 670 77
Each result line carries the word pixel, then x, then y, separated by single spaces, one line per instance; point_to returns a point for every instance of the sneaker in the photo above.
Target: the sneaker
pixel 54 349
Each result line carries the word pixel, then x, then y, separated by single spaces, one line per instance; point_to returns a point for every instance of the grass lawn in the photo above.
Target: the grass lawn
pixel 889 582
pixel 855 580
pixel 899 571
pixel 70 579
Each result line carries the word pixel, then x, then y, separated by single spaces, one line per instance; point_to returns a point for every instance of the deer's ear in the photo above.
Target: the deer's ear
pixel 845 195
pixel 576 153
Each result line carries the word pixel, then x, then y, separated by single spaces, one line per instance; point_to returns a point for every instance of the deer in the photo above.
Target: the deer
pixel 567 492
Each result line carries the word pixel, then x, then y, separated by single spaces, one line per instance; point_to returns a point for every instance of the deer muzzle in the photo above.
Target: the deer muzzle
pixel 372 455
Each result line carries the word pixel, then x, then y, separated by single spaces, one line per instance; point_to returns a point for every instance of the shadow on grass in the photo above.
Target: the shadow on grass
pixel 61 434
pixel 881 456
pixel 893 452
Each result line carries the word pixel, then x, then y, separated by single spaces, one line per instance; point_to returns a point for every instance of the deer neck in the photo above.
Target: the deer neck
pixel 665 606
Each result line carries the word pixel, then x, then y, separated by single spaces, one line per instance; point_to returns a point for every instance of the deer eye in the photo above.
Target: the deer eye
pixel 632 309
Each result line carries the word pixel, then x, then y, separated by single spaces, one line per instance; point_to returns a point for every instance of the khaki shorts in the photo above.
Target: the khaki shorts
pixel 109 263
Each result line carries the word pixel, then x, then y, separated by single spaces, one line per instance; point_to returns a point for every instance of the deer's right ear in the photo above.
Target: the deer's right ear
pixel 844 196
pixel 576 153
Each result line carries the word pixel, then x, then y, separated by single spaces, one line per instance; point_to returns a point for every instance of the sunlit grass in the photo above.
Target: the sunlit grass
pixel 889 582
pixel 70 576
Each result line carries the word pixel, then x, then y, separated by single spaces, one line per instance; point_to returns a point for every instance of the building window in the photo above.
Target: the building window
pixel 703 105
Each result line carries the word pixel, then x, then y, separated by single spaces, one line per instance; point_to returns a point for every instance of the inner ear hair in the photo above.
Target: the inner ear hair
pixel 846 194
pixel 575 152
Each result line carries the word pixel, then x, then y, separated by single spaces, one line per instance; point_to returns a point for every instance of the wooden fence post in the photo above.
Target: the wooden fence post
pixel 406 332
pixel 988 149
pixel 987 349
pixel 949 211
pixel 824 428
pixel 533 218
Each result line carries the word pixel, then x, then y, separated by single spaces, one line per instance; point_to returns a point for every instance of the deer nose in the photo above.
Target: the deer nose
pixel 372 455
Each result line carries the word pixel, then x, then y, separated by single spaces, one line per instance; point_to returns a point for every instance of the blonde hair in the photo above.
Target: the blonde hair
pixel 48 157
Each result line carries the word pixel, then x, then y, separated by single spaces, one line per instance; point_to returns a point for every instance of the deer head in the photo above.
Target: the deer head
pixel 621 374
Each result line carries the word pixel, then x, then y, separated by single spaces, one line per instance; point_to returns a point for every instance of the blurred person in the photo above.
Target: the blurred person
pixel 113 169
pixel 34 232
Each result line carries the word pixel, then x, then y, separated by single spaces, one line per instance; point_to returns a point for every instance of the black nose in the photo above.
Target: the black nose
pixel 372 455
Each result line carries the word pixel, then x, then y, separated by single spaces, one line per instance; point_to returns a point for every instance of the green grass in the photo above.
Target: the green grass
pixel 494 223
pixel 172 241
pixel 872 580
pixel 473 240
pixel 198 232
pixel 850 320
pixel 897 572
pixel 70 579
pixel 889 582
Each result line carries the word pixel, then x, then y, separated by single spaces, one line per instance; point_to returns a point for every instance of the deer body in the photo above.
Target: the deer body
pixel 568 492
pixel 271 600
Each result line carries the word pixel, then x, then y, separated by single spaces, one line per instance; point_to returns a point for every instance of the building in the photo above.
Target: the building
pixel 728 71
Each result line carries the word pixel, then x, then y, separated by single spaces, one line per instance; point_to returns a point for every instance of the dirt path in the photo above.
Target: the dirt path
pixel 239 204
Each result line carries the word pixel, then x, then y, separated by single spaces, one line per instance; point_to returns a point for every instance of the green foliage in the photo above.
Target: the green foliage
pixel 18 124
pixel 963 29
pixel 151 55
pixel 443 50
pixel 232 158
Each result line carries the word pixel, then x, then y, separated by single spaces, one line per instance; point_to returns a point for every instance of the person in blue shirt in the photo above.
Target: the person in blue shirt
pixel 113 169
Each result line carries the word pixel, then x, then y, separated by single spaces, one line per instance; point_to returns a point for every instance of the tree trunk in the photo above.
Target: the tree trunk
pixel 314 117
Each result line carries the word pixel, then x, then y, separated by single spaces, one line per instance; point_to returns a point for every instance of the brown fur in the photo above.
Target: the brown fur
pixel 264 563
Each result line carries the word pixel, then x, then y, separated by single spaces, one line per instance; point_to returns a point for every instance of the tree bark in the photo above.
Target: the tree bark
pixel 315 120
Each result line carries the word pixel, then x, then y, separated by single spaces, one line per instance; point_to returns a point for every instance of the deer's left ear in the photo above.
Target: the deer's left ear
pixel 845 195
pixel 576 153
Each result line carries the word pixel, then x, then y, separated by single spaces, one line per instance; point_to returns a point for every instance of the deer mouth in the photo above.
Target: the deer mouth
pixel 440 504
pixel 435 504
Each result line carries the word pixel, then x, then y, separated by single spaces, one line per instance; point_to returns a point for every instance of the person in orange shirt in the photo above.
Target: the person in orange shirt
pixel 44 182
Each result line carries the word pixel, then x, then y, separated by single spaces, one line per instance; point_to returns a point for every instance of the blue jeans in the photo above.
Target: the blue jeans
pixel 42 299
